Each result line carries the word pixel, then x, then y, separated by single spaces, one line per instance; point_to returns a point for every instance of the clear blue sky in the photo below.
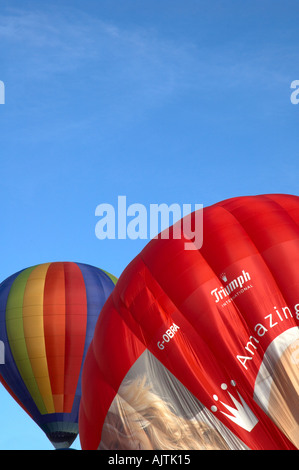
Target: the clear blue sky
pixel 163 101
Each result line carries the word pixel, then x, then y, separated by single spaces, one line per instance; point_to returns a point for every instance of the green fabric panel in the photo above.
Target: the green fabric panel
pixel 113 278
pixel 15 333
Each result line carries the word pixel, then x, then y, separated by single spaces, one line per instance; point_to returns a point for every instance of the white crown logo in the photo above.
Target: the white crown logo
pixel 241 415
pixel 223 277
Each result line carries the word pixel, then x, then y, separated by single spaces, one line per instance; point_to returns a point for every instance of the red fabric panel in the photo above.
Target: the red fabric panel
pixel 75 330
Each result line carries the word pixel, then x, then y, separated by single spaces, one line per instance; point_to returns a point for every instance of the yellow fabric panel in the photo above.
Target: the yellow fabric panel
pixel 34 333
pixel 15 332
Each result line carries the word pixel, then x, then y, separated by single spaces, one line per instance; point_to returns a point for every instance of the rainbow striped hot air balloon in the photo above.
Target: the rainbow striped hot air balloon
pixel 47 317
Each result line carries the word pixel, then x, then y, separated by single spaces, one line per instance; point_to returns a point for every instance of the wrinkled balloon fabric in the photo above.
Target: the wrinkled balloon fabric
pixel 199 349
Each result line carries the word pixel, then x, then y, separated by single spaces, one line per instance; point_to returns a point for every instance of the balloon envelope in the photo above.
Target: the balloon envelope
pixel 199 348
pixel 48 314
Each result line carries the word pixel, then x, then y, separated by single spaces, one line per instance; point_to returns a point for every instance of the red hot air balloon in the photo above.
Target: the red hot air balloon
pixel 48 314
pixel 199 349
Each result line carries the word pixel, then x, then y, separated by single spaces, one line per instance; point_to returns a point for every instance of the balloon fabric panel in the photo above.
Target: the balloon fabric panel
pixel 218 326
pixel 48 315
